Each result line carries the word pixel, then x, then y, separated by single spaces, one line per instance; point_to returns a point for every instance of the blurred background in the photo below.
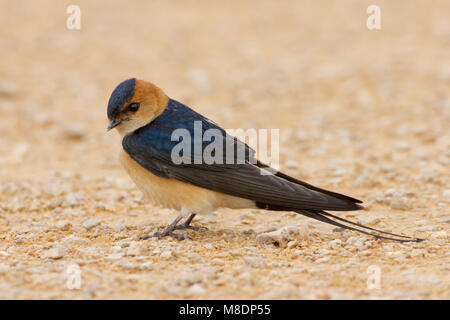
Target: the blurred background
pixel 361 111
pixel 311 68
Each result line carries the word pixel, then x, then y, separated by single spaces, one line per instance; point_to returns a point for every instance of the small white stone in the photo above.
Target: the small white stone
pixel 371 220
pixel 167 254
pixel 291 164
pixel 399 203
pixel 195 290
pixel 54 253
pixel 116 249
pixel 365 253
pixel 280 237
pixel 291 244
pixel 90 223
pixel 322 260
pixel 119 227
pixel 357 242
pixel 74 240
pixel 335 244
pixel 298 253
pixel 114 256
pixel 148 265
pixel 75 131
pixel 63 225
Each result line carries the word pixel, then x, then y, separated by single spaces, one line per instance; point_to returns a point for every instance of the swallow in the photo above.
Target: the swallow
pixel 146 118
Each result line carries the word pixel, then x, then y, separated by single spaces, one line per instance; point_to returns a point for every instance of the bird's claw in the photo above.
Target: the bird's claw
pixel 160 235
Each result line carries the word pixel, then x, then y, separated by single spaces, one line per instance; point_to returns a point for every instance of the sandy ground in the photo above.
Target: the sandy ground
pixel 360 112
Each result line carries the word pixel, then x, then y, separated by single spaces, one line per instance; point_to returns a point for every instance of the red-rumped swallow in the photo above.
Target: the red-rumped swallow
pixel 146 118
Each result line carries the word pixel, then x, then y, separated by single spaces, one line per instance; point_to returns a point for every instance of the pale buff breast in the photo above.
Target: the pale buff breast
pixel 175 194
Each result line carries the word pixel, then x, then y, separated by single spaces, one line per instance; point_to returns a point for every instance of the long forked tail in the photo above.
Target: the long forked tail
pixel 324 216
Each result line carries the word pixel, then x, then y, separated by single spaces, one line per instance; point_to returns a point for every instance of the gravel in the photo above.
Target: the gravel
pixel 376 132
pixel 54 253
pixel 90 223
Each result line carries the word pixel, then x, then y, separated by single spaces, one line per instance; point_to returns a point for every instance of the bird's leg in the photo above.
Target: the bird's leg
pixel 169 230
pixel 187 224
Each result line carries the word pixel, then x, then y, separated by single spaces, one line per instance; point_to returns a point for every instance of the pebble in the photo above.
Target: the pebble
pixel 399 203
pixel 74 199
pixel 357 242
pixel 116 249
pixel 167 254
pixel 291 164
pixel 195 290
pixel 63 225
pixel 148 265
pixel 292 244
pixel 370 220
pixel 90 223
pixel 54 253
pixel 365 253
pixel 322 260
pixel 114 256
pixel 281 237
pixel 75 131
pixel 335 244
pixel 119 227
pixel 298 253
pixel 74 240
pixel 218 262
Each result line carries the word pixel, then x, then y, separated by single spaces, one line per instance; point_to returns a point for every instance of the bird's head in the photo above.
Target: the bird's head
pixel 133 104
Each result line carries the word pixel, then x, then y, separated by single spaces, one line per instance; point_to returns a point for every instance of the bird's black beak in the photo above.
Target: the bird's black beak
pixel 113 123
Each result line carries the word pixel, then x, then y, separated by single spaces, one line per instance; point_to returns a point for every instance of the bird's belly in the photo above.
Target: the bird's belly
pixel 175 194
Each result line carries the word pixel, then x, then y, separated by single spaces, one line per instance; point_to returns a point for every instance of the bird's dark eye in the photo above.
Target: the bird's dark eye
pixel 133 107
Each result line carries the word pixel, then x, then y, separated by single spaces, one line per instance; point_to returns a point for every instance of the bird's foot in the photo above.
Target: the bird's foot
pixel 163 234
